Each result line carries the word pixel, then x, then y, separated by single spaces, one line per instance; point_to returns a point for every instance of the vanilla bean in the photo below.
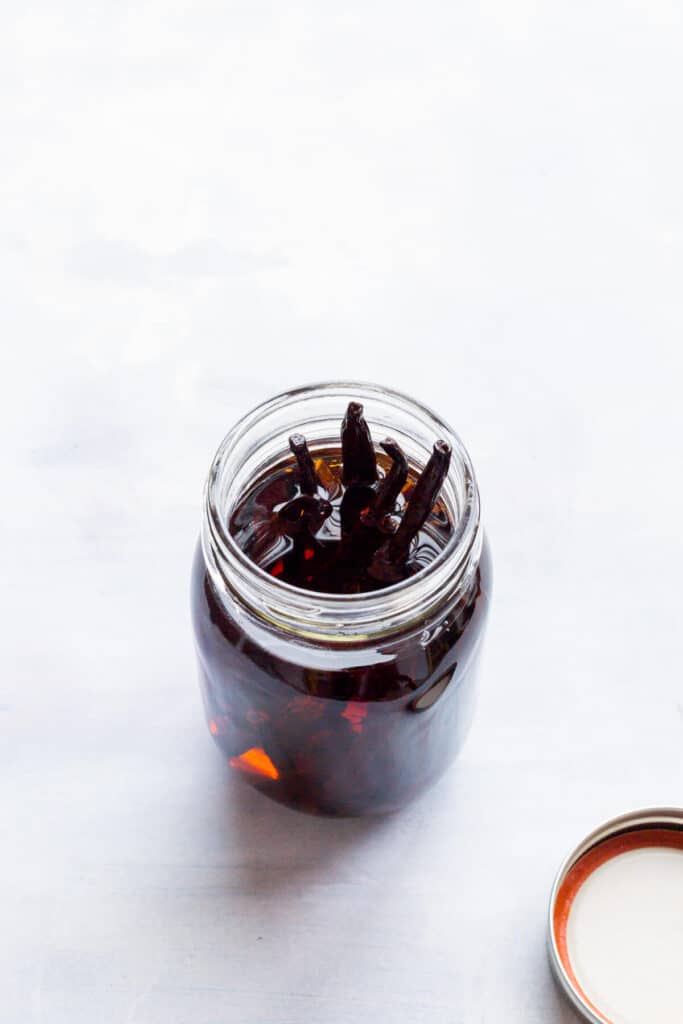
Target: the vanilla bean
pixel 390 562
pixel 305 510
pixel 353 505
pixel 307 476
pixel 393 483
pixel 358 451
pixel 421 502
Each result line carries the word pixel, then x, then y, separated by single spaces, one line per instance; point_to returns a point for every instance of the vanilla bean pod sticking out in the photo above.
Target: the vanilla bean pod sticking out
pixel 393 554
pixel 307 475
pixel 358 451
pixel 305 511
pixel 422 500
pixel 392 484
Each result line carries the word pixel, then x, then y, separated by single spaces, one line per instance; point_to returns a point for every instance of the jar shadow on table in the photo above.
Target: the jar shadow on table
pixel 275 848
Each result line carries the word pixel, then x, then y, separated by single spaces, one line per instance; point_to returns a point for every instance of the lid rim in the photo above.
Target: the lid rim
pixel 631 821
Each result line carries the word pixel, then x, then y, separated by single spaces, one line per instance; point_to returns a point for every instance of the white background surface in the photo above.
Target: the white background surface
pixel 202 204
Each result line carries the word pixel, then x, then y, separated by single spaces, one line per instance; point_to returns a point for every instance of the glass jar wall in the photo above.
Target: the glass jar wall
pixel 338 704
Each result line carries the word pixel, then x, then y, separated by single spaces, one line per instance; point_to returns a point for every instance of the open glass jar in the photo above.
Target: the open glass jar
pixel 338 704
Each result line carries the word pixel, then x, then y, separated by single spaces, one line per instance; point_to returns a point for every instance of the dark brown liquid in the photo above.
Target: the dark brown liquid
pixel 333 728
pixel 357 732
pixel 335 555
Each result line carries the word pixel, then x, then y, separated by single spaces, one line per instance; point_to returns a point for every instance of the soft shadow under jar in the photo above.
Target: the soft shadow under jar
pixel 354 701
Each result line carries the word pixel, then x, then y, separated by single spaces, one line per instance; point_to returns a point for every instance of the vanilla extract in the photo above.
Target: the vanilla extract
pixel 346 519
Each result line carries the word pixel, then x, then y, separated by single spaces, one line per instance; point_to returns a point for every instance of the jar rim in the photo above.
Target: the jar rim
pixel 341 618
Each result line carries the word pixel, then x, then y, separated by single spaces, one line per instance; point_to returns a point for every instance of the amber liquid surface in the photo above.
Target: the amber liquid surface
pixel 336 555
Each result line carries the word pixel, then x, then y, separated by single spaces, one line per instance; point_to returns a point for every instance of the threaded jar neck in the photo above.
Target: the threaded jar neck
pixel 259 442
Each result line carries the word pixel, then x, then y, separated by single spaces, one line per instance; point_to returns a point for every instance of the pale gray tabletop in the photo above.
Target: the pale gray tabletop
pixel 204 204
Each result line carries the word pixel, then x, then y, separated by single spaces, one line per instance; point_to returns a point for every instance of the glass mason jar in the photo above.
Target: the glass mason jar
pixel 338 704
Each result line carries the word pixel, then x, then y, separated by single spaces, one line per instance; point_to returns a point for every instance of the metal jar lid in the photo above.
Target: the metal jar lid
pixel 660 828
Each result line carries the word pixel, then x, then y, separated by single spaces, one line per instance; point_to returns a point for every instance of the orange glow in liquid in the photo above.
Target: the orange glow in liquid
pixel 255 762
